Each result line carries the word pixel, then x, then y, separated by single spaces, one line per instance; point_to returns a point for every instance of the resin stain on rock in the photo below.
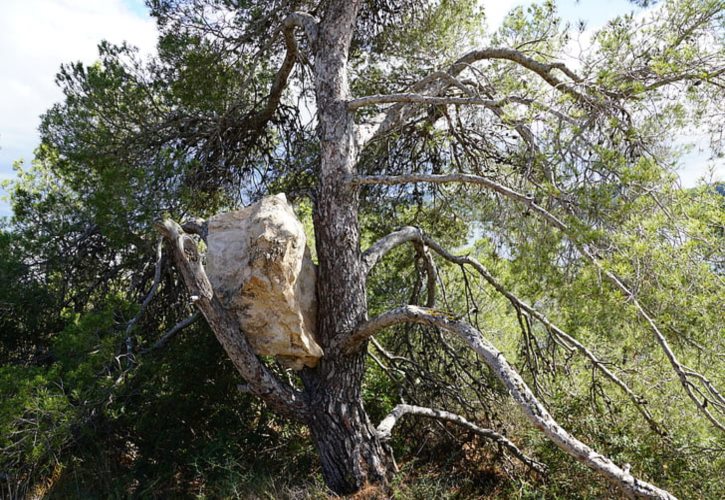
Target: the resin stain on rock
pixel 259 266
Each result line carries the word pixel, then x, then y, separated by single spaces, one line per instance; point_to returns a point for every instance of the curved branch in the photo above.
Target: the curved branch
pixel 437 83
pixel 543 70
pixel 715 398
pixel 197 225
pixel 430 271
pixel 408 98
pixel 534 411
pixel 386 426
pixel 486 182
pixel 147 300
pixel 406 234
pixel 262 382
pixel 494 105
pixel 416 236
pixel 683 372
pixel 471 100
pixel 168 335
pixel 685 76
pixel 372 255
pixel 280 79
pixel 638 401
pixel 307 22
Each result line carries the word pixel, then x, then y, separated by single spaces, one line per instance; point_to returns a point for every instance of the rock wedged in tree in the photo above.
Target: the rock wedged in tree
pixel 259 265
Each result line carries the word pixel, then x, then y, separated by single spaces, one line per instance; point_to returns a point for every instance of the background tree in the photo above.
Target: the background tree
pixel 371 114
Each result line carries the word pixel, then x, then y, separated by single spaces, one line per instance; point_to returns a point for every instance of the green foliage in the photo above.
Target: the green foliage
pixel 81 416
pixel 36 422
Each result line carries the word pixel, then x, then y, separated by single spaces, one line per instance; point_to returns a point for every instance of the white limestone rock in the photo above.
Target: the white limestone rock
pixel 259 265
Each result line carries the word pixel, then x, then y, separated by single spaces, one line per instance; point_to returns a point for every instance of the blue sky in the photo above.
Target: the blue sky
pixel 595 12
pixel 138 7
pixel 36 36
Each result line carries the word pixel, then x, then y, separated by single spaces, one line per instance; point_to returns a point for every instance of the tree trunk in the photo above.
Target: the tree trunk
pixel 350 451
pixel 347 443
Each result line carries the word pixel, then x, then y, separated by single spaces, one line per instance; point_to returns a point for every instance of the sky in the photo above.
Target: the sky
pixel 37 36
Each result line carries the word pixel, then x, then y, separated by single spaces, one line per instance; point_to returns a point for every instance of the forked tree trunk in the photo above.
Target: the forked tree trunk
pixel 350 451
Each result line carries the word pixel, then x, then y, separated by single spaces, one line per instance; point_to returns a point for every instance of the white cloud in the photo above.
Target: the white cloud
pixel 36 37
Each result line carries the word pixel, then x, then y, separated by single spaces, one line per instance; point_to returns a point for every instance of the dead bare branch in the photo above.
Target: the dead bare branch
pixel 375 100
pixel 534 411
pixel 430 271
pixel 486 182
pixel 198 226
pixel 307 22
pixel 386 426
pixel 712 397
pixel 147 300
pixel 415 235
pixel 168 335
pixel 436 84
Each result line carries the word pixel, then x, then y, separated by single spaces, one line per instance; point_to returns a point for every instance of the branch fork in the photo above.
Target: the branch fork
pixel 260 380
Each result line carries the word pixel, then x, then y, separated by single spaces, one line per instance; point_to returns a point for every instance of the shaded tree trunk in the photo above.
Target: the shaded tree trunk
pixel 350 451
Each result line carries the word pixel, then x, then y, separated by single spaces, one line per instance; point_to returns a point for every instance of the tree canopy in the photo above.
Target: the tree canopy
pixel 505 256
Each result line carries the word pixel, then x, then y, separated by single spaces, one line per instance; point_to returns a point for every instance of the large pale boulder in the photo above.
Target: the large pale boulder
pixel 260 268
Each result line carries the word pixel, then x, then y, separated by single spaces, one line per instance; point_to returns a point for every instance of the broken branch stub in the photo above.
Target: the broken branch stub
pixel 259 266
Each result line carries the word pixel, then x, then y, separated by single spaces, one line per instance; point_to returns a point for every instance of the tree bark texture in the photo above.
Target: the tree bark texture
pixel 350 452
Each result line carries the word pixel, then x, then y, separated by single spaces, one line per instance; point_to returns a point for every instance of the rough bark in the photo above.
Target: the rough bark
pixel 350 451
